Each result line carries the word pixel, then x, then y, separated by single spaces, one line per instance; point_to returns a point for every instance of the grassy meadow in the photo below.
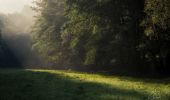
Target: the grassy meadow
pixel 69 85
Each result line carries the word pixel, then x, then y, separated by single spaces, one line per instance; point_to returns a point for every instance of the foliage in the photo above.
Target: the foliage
pixel 157 38
pixel 46 32
pixel 104 34
pixel 110 28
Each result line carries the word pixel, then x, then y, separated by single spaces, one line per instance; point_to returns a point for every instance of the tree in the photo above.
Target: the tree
pixel 103 33
pixel 46 31
pixel 157 34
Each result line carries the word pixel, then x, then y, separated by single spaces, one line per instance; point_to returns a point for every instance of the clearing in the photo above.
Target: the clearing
pixel 68 85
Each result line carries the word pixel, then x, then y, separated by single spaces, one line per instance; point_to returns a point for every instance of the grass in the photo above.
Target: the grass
pixel 67 85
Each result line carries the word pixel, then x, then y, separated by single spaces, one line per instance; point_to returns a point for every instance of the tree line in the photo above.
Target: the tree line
pixel 123 36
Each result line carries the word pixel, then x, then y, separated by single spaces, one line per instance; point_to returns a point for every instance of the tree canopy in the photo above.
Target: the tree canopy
pixel 113 35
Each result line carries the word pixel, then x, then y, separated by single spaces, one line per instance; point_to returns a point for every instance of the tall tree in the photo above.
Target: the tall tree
pixel 46 31
pixel 157 34
pixel 103 33
pixel 106 34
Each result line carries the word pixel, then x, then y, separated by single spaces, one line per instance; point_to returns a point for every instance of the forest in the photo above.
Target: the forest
pixel 117 36
pixel 85 50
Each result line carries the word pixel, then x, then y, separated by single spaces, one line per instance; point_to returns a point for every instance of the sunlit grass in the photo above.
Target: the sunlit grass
pixel 67 85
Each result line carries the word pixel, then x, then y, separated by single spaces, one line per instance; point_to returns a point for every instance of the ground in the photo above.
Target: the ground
pixel 68 85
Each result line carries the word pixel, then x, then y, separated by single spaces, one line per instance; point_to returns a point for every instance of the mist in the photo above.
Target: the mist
pixel 12 6
pixel 17 35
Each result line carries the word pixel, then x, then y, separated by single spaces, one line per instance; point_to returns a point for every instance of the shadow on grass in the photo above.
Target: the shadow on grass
pixel 28 85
